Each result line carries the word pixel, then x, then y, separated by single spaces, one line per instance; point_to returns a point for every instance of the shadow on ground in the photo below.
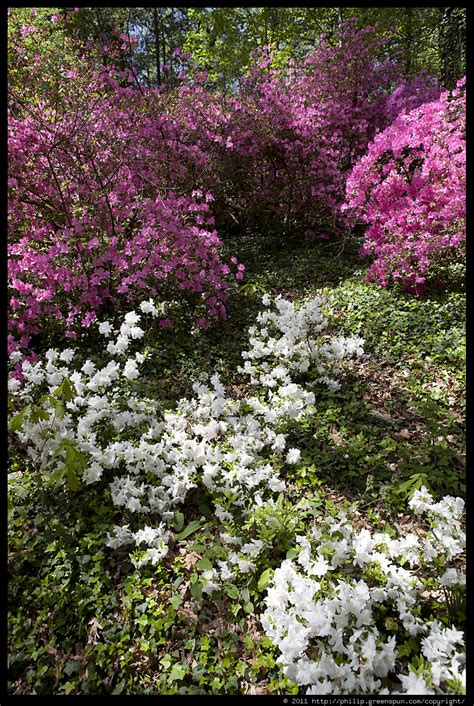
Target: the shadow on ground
pixel 374 433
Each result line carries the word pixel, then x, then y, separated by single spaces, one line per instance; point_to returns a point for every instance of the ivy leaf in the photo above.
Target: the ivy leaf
pixel 176 601
pixel 166 661
pixel 177 672
pixel 73 665
pixel 119 688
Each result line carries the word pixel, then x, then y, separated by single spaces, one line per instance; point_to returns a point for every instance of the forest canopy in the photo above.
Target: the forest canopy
pixel 221 40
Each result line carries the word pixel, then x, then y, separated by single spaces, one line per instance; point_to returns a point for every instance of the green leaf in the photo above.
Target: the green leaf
pixel 68 687
pixel 74 457
pixel 73 665
pixel 264 579
pixel 292 553
pixel 241 668
pixel 192 527
pixel 175 601
pixel 72 479
pixel 413 483
pixel 119 688
pixel 231 590
pixel 166 661
pixel 199 548
pixel 57 475
pixel 59 409
pixel 74 465
pixel 17 421
pixel 407 648
pixel 11 509
pixel 178 520
pixel 391 624
pixel 196 590
pixel 38 413
pixel 66 390
pixel 204 564
pixel 177 672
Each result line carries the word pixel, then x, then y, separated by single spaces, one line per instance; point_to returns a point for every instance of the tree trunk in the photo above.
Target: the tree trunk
pixel 163 39
pixel 408 39
pixel 157 46
pixel 451 44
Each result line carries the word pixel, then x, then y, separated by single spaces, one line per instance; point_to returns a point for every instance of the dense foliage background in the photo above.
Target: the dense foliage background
pixel 236 333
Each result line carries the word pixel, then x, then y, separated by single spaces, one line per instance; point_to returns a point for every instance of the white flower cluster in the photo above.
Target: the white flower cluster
pixel 156 457
pixel 155 538
pixel 283 344
pixel 238 561
pixel 322 611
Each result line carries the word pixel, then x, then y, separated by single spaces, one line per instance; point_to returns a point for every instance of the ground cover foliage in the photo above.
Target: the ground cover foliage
pixel 236 461
pixel 97 624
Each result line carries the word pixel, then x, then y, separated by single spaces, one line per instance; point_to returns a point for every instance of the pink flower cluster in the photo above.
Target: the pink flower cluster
pixel 410 189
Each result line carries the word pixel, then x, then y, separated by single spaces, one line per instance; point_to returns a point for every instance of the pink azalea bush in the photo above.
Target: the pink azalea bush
pixel 410 190
pixel 102 208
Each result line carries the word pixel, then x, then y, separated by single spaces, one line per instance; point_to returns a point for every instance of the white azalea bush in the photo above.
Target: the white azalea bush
pixel 329 610
pixel 284 343
pixel 76 422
